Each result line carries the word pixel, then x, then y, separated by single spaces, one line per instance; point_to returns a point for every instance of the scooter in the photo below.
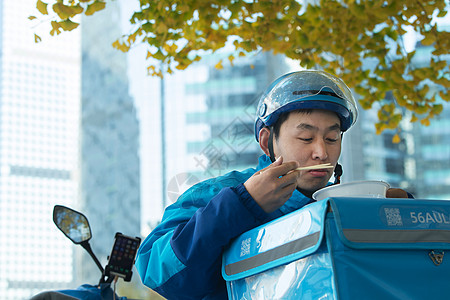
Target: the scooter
pixel 75 226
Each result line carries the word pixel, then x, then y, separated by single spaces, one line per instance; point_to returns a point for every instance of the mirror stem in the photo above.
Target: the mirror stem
pixel 88 248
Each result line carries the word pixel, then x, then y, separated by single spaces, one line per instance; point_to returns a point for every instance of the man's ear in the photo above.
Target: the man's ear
pixel 264 134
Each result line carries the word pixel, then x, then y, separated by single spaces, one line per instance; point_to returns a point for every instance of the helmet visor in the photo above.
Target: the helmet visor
pixel 300 86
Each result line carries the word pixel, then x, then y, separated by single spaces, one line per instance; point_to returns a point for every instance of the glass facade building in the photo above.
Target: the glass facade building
pixel 419 163
pixel 69 135
pixel 39 153
pixel 432 145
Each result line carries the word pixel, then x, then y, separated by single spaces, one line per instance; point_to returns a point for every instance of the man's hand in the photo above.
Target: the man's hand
pixel 396 193
pixel 273 186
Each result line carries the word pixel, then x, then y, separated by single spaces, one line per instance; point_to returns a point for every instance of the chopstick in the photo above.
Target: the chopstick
pixel 321 166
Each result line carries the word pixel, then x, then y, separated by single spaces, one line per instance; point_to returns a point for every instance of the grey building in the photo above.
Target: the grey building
pixel 432 146
pixel 209 119
pixel 39 127
pixel 420 163
pixel 110 171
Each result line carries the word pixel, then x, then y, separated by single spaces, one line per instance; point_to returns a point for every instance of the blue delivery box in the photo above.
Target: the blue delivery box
pixel 345 248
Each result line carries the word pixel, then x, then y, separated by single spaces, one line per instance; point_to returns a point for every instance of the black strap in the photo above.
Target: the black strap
pixel 270 145
pixel 337 174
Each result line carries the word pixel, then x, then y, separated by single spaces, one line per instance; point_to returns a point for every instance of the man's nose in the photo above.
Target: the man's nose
pixel 319 150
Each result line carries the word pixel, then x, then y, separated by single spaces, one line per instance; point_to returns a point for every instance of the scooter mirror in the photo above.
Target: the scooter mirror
pixel 72 223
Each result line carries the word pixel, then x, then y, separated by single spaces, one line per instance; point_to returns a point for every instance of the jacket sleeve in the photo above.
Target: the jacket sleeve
pixel 181 258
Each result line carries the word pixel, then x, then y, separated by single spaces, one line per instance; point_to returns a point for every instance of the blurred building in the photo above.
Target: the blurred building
pixel 368 156
pixel 209 118
pixel 68 135
pixel 419 163
pixel 39 157
pixel 110 171
pixel 432 145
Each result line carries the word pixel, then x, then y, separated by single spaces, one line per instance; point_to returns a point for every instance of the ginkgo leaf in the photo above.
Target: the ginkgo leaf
pixel 441 14
pixel 396 138
pixel 121 46
pixel 219 65
pixel 42 7
pixel 55 28
pixel 66 11
pixel 336 36
pixel 68 25
pixel 425 122
pixel 95 7
pixel 444 96
pixel 428 40
pixel 231 59
pixel 37 38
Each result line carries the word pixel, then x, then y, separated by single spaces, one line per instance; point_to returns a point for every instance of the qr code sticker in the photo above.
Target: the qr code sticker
pixel 393 217
pixel 245 247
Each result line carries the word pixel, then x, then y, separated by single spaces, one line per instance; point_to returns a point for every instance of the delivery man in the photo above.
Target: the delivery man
pixel 300 121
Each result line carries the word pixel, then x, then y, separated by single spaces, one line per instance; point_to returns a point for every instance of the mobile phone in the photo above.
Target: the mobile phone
pixel 123 253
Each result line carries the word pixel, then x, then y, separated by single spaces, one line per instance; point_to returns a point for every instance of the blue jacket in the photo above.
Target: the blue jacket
pixel 181 258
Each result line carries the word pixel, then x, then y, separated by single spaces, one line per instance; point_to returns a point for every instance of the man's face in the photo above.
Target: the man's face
pixel 310 139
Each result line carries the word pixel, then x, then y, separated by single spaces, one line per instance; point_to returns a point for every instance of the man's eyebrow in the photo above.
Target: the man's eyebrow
pixel 335 127
pixel 305 126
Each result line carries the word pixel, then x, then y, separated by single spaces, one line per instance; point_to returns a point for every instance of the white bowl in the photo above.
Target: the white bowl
pixel 359 189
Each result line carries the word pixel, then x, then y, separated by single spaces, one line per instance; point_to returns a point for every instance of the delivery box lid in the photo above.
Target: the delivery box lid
pixel 362 223
pixel 392 223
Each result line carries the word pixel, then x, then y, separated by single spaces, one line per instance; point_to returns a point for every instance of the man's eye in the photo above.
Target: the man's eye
pixel 332 140
pixel 306 139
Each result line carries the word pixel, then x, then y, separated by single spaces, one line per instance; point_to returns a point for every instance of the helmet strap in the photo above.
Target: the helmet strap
pixel 337 174
pixel 338 169
pixel 270 145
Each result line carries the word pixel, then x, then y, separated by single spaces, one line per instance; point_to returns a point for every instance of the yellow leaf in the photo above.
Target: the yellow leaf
pixel 428 40
pixel 379 127
pixel 437 109
pixel 425 122
pixel 414 118
pixel 231 59
pixel 42 7
pixel 219 65
pixel 55 28
pixel 444 96
pixel 181 66
pixel 37 38
pixel 170 48
pixel 442 14
pixel 32 18
pixel 95 7
pixel 396 139
pixel 68 25
pixel 159 55
pixel 421 109
pixel 122 47
pixel 65 11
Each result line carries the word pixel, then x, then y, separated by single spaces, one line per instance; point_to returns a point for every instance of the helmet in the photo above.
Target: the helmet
pixel 310 89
